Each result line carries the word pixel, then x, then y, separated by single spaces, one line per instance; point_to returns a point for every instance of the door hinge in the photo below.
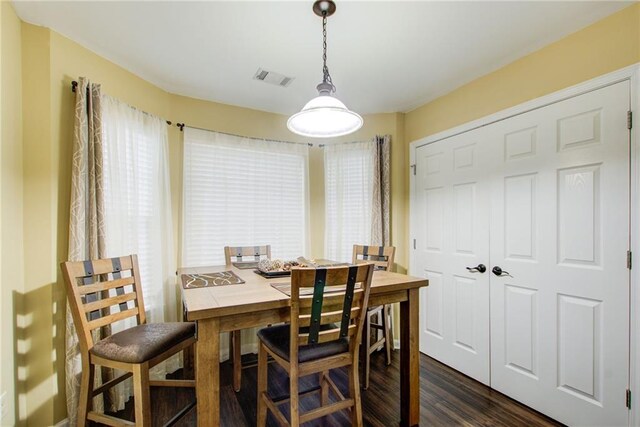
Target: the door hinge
pixel 414 168
pixel 628 397
pixel 414 243
pixel 629 119
pixel 629 259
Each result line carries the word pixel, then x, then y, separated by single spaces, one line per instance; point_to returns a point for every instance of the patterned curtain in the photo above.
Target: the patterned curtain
pixel 86 223
pixel 380 215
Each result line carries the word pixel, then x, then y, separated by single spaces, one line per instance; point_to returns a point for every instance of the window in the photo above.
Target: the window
pixel 137 200
pixel 348 175
pixel 242 192
pixel 137 213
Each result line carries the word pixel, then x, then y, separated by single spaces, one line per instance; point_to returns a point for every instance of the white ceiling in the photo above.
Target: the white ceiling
pixel 384 56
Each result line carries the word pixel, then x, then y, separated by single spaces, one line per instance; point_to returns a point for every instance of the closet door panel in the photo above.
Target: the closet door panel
pixel 560 228
pixel 452 193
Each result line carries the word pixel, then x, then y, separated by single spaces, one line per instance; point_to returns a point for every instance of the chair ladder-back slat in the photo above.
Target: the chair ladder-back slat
pixel 120 300
pixel 112 318
pixel 381 256
pixel 91 287
pixel 329 335
pixel 239 253
pixel 327 317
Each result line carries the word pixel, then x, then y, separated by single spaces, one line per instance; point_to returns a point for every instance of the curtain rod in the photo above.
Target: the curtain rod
pixel 342 143
pixel 182 126
pixel 74 86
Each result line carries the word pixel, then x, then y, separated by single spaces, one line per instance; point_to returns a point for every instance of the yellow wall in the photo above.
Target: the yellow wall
pixel 35 172
pixel 11 212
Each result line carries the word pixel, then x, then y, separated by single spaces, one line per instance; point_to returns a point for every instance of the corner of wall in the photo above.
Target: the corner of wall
pixel 40 310
pixel 11 211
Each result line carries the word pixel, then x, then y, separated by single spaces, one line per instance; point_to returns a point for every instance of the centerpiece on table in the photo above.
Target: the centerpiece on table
pixel 278 267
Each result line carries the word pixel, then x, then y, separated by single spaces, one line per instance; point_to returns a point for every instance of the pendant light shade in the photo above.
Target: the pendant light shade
pixel 325 116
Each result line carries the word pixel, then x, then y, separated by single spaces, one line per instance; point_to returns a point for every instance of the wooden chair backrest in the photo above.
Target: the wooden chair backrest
pixel 324 296
pixel 239 252
pixel 381 256
pixel 102 292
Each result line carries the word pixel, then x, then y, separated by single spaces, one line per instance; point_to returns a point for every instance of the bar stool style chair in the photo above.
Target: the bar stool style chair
pixel 382 257
pixel 313 344
pixel 100 295
pixel 241 254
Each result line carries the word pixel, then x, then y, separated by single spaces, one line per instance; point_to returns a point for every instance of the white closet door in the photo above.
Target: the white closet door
pixel 560 228
pixel 452 221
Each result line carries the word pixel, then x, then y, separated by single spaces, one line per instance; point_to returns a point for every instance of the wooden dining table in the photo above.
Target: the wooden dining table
pixel 256 303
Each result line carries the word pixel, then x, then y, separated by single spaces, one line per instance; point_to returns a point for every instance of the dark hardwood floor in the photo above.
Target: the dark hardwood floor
pixel 447 398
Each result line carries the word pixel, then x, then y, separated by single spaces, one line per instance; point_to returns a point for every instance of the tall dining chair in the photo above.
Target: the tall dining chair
pixel 101 293
pixel 382 257
pixel 241 257
pixel 315 343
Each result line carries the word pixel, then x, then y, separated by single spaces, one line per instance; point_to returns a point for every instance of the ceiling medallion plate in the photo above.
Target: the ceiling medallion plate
pixel 320 6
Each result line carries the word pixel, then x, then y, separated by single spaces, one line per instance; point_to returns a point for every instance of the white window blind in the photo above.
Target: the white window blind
pixel 243 192
pixel 348 172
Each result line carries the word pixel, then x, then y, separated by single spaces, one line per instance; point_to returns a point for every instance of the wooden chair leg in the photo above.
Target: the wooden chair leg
pixel 324 388
pixel 366 345
pixel 391 326
pixel 262 385
pixel 294 407
pixel 188 357
pixel 194 349
pixel 86 389
pixel 354 393
pixel 187 362
pixel 236 357
pixel 386 325
pixel 141 394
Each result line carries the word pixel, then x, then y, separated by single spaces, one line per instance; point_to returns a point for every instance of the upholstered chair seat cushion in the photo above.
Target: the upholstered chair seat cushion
pixel 277 339
pixel 143 342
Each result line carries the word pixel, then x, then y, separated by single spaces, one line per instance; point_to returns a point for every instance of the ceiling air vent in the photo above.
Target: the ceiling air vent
pixel 272 78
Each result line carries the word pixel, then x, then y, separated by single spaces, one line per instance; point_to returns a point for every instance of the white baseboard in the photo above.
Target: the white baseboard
pixel 396 344
pixel 63 423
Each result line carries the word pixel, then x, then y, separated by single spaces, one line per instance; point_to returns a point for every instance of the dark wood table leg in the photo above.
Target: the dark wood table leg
pixel 409 360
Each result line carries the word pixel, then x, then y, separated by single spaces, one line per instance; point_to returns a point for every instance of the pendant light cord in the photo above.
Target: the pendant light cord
pixel 326 78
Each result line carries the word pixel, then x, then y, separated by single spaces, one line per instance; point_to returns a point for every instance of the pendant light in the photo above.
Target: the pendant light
pixel 325 116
